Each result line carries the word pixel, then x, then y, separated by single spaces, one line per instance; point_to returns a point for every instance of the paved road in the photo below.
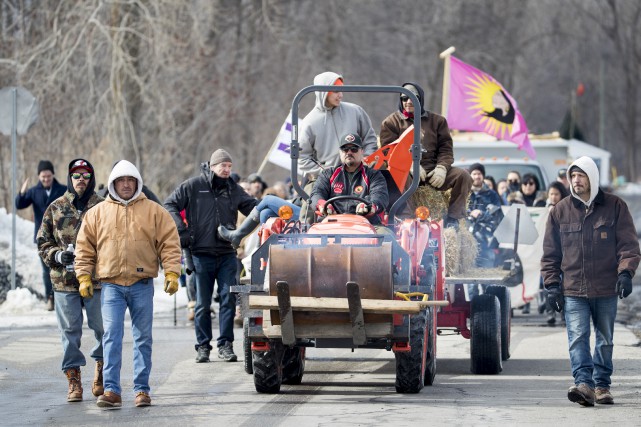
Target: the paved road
pixel 339 388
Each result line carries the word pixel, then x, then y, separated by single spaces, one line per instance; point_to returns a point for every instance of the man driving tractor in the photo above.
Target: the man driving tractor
pixel 351 178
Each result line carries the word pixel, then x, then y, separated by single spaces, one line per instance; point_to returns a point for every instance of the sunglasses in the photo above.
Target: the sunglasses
pixel 85 175
pixel 350 149
pixel 529 183
pixel 405 98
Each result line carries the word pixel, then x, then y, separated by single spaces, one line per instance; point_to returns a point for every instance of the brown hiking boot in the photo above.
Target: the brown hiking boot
pixel 97 387
pixel 142 399
pixel 109 400
pixel 75 385
pixel 603 396
pixel 582 394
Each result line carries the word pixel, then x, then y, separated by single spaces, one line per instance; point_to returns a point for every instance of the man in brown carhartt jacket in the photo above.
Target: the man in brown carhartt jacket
pixel 590 254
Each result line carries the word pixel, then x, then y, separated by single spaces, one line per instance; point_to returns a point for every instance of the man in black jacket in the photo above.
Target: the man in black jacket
pixel 209 200
pixel 351 178
pixel 40 197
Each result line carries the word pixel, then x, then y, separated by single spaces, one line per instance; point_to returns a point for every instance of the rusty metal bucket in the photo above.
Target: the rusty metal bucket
pixel 323 271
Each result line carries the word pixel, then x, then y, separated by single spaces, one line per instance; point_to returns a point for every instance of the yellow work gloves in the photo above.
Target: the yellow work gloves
pixel 171 282
pixel 86 285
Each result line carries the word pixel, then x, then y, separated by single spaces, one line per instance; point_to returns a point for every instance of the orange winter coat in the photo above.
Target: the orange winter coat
pixel 124 243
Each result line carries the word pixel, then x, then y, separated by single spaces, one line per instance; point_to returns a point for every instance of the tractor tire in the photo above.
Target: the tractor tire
pixel 293 365
pixel 485 342
pixel 268 369
pixel 503 294
pixel 430 356
pixel 247 348
pixel 410 366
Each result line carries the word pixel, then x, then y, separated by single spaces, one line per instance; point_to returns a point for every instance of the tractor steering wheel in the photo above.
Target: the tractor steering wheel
pixel 358 199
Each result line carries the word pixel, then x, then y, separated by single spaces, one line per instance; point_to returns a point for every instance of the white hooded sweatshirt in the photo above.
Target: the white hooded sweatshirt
pixel 587 165
pixel 120 169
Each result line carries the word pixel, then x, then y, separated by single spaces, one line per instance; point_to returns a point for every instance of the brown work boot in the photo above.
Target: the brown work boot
pixel 603 396
pixel 75 385
pixel 109 400
pixel 97 387
pixel 582 394
pixel 142 399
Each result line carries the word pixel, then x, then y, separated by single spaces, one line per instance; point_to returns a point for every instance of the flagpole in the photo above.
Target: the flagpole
pixel 445 56
pixel 266 159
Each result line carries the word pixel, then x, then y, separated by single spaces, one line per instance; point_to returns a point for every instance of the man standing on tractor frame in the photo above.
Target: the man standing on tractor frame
pixel 590 253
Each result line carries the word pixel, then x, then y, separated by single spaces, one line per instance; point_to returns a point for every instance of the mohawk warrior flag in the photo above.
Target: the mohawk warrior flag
pixel 477 102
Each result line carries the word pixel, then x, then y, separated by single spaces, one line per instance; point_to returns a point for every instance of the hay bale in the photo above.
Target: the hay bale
pixel 436 201
pixel 461 250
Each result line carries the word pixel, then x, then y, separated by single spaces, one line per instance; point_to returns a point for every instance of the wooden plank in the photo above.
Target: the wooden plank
pixel 372 330
pixel 474 280
pixel 340 305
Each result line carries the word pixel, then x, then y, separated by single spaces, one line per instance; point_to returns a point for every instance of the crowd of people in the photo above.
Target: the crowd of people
pixel 101 249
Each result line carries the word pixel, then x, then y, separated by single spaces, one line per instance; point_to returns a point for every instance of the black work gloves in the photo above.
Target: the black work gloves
pixel 66 258
pixel 555 297
pixel 624 284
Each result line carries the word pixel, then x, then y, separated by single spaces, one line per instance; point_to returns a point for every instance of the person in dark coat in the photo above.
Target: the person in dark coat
pixel 437 153
pixel 210 200
pixel 483 220
pixel 40 197
pixel 590 254
pixel 351 178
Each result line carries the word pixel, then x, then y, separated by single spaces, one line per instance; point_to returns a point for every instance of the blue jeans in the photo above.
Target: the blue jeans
pixel 593 370
pixel 209 270
pixel 269 205
pixel 69 314
pixel 46 278
pixel 139 298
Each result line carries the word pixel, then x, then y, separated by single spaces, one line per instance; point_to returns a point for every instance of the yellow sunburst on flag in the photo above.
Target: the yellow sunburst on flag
pixel 490 105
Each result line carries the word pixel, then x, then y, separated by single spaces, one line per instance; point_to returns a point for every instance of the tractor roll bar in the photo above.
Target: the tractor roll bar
pixel 416 146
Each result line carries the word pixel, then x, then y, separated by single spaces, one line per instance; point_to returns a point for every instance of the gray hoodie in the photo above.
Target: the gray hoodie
pixel 323 127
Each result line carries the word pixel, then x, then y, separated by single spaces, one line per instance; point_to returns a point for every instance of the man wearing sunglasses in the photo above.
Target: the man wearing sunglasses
pixel 351 178
pixel 59 229
pixel 437 151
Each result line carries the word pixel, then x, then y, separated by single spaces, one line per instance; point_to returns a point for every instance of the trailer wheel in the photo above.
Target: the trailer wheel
pixel 247 347
pixel 430 356
pixel 503 294
pixel 485 342
pixel 293 365
pixel 410 366
pixel 268 370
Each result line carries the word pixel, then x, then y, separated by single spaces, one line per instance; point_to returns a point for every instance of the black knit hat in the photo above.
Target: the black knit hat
pixel 45 165
pixel 477 167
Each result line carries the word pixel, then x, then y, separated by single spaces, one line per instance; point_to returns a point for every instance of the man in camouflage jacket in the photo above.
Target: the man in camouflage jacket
pixel 60 226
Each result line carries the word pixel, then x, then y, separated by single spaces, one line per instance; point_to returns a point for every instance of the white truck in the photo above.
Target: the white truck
pixel 552 153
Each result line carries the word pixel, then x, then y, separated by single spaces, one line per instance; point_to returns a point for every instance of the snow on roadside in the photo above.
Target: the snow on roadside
pixel 22 308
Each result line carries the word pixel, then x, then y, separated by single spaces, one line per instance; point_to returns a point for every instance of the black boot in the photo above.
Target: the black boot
pixel 235 236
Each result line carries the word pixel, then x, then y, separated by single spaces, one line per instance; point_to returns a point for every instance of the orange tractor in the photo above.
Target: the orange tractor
pixel 338 284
